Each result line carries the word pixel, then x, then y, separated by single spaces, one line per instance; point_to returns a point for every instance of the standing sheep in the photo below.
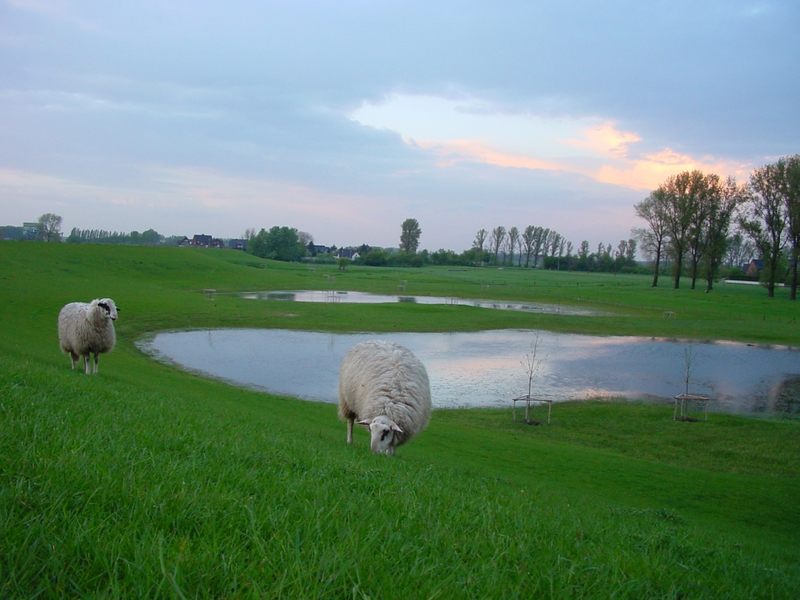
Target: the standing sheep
pixel 86 329
pixel 385 387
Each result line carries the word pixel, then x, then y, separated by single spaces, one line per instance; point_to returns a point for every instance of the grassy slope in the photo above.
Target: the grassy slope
pixel 145 481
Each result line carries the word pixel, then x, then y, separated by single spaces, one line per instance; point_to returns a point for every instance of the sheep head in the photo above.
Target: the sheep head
pixel 107 304
pixel 382 432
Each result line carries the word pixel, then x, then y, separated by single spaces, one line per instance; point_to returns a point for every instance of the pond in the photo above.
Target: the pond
pixel 349 297
pixel 487 368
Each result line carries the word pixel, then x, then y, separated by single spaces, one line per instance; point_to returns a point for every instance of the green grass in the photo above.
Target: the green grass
pixel 145 481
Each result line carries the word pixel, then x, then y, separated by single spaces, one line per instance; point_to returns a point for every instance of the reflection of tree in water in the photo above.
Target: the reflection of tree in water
pixel 787 396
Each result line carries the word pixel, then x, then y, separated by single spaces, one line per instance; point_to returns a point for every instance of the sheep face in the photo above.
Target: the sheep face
pixel 107 304
pixel 382 432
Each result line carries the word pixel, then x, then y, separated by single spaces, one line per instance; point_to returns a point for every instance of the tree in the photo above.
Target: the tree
pixel 513 238
pixel 151 237
pixel 707 191
pixel 738 250
pixel 682 194
pixel 498 236
pixel 552 242
pixel 539 237
pixel 305 238
pixel 279 243
pixel 50 227
pixel 480 239
pixel 790 187
pixel 764 219
pixel 723 200
pixel 409 236
pixel 528 239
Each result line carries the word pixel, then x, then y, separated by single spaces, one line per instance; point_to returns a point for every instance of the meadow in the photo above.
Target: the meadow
pixel 145 481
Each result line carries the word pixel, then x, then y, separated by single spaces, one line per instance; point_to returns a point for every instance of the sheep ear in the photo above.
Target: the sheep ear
pixel 365 422
pixel 396 428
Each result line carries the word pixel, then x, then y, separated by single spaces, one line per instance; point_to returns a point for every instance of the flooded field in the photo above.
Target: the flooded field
pixel 486 368
pixel 367 298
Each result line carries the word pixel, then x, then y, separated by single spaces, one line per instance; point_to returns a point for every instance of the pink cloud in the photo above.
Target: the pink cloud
pixel 651 170
pixel 454 151
pixel 606 140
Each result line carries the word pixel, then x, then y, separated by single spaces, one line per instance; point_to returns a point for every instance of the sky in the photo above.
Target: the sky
pixel 344 118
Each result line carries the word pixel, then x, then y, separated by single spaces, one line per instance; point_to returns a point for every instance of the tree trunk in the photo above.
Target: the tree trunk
pixel 658 266
pixel 712 269
pixel 678 267
pixel 795 253
pixel 773 269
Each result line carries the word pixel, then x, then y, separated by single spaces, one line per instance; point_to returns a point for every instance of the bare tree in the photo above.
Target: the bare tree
pixel 553 242
pixel 532 364
pixel 480 239
pixel 562 247
pixel 539 237
pixel 528 239
pixel 498 237
pixel 513 238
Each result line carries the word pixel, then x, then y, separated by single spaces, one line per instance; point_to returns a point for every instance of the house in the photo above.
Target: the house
pixel 351 253
pixel 206 241
pixel 237 244
pixel 201 240
pixel 317 249
pixel 10 232
pixel 30 231
pixel 753 268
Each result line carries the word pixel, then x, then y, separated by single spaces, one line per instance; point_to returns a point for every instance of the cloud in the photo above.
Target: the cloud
pixel 450 152
pixel 606 140
pixel 651 170
pixel 585 146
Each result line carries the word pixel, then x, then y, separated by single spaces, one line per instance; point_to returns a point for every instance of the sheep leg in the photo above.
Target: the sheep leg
pixel 96 362
pixel 73 358
pixel 87 364
pixel 350 430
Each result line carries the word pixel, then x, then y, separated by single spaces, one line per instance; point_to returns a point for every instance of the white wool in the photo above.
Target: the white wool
pixel 384 386
pixel 86 329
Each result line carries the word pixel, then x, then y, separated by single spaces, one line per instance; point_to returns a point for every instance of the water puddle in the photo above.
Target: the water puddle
pixel 487 368
pixel 367 298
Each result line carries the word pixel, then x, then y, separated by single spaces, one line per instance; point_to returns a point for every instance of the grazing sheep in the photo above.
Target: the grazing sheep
pixel 86 329
pixel 385 387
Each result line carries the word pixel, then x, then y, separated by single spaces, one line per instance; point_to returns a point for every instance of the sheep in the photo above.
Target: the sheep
pixel 86 329
pixel 384 387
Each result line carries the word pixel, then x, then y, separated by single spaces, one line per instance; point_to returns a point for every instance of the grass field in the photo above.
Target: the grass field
pixel 145 481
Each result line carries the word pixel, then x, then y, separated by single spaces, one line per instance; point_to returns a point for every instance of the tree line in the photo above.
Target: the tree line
pixel 538 246
pixel 691 217
pixel 102 236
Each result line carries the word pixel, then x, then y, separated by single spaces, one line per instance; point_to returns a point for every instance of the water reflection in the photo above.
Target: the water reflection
pixel 330 296
pixel 485 368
